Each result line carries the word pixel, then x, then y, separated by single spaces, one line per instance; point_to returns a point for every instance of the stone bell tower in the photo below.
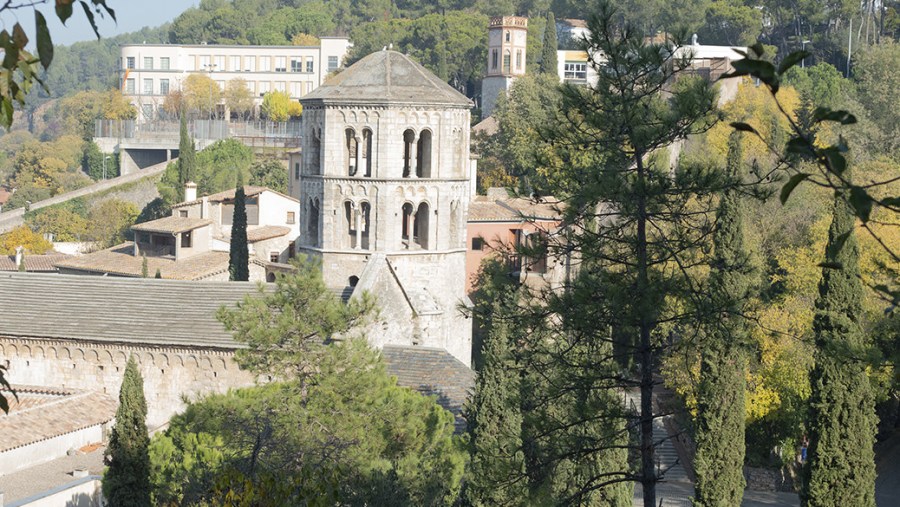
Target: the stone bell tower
pixel 384 186
pixel 507 41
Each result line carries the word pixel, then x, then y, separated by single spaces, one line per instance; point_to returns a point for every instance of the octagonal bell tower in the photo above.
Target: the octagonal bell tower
pixel 384 184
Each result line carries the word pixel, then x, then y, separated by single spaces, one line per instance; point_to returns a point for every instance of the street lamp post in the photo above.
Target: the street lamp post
pixel 803 43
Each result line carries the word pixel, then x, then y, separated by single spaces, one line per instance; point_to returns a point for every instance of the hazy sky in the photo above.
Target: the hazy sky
pixel 131 15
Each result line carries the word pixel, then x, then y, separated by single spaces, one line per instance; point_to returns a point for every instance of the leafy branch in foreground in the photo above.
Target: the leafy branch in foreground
pixel 20 71
pixel 827 164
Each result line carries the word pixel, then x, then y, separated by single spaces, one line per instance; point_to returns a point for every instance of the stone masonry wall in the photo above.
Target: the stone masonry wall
pixel 170 373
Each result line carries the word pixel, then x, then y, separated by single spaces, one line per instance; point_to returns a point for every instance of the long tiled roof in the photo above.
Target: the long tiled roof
pixel 512 209
pixel 172 225
pixel 228 195
pixel 266 232
pixel 387 77
pixel 432 372
pixel 33 263
pixel 118 310
pixel 121 261
pixel 53 413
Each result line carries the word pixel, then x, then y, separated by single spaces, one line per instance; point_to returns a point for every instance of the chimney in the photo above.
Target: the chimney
pixel 190 191
pixel 19 254
pixel 204 207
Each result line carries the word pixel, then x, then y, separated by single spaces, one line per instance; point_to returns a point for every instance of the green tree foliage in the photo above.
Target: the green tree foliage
pixel 352 437
pixel 215 169
pixel 719 462
pixel 512 152
pixel 145 270
pixel 285 330
pixel 110 221
pixel 548 49
pixel 731 23
pixel 494 418
pixel 201 95
pixel 271 173
pixel 238 98
pixel 40 170
pixel 842 423
pixel 23 236
pixel 186 156
pixel 92 162
pixel 63 223
pixel 611 164
pixel 278 106
pixel 76 114
pixel 238 253
pixel 127 480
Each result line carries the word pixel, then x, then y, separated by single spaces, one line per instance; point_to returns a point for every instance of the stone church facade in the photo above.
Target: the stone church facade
pixel 385 182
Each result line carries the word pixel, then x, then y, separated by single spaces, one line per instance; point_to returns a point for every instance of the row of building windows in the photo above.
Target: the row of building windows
pixel 151 87
pixel 237 63
pixel 575 71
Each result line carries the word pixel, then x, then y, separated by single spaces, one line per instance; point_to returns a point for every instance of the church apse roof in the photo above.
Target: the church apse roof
pixel 387 77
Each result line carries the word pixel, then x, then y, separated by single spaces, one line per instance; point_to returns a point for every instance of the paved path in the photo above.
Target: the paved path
pixel 677 488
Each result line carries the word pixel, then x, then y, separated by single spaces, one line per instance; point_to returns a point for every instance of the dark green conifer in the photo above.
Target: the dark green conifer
pixel 186 157
pixel 127 480
pixel 842 425
pixel 239 256
pixel 495 424
pixel 144 267
pixel 549 47
pixel 719 460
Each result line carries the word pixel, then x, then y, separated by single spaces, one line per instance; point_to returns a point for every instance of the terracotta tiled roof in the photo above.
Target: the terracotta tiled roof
pixel 494 208
pixel 266 232
pixel 118 310
pixel 33 263
pixel 120 260
pixel 488 126
pixel 53 413
pixel 4 195
pixel 432 372
pixel 172 225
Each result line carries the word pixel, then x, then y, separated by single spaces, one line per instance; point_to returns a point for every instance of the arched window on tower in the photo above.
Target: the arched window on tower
pixel 407 225
pixel 312 226
pixel 420 227
pixel 315 155
pixel 506 61
pixel 365 215
pixel 423 155
pixel 352 151
pixel 349 235
pixel 367 152
pixel 409 152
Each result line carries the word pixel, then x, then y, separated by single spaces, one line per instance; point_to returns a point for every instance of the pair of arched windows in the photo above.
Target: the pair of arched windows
pixel 417 154
pixel 357 225
pixel 358 152
pixel 415 226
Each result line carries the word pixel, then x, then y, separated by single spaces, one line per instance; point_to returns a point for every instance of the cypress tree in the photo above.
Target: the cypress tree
pixel 842 425
pixel 495 424
pixel 549 47
pixel 127 480
pixel 144 267
pixel 720 396
pixel 239 256
pixel 186 157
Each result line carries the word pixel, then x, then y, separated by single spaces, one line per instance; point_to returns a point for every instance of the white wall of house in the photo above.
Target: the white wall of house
pixel 48 450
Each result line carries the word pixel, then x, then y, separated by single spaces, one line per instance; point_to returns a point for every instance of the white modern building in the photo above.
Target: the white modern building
pixel 148 72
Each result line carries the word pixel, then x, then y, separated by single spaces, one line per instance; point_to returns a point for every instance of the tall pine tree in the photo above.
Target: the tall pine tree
pixel 186 157
pixel 127 480
pixel 239 255
pixel 497 470
pixel 841 469
pixel 719 460
pixel 549 47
